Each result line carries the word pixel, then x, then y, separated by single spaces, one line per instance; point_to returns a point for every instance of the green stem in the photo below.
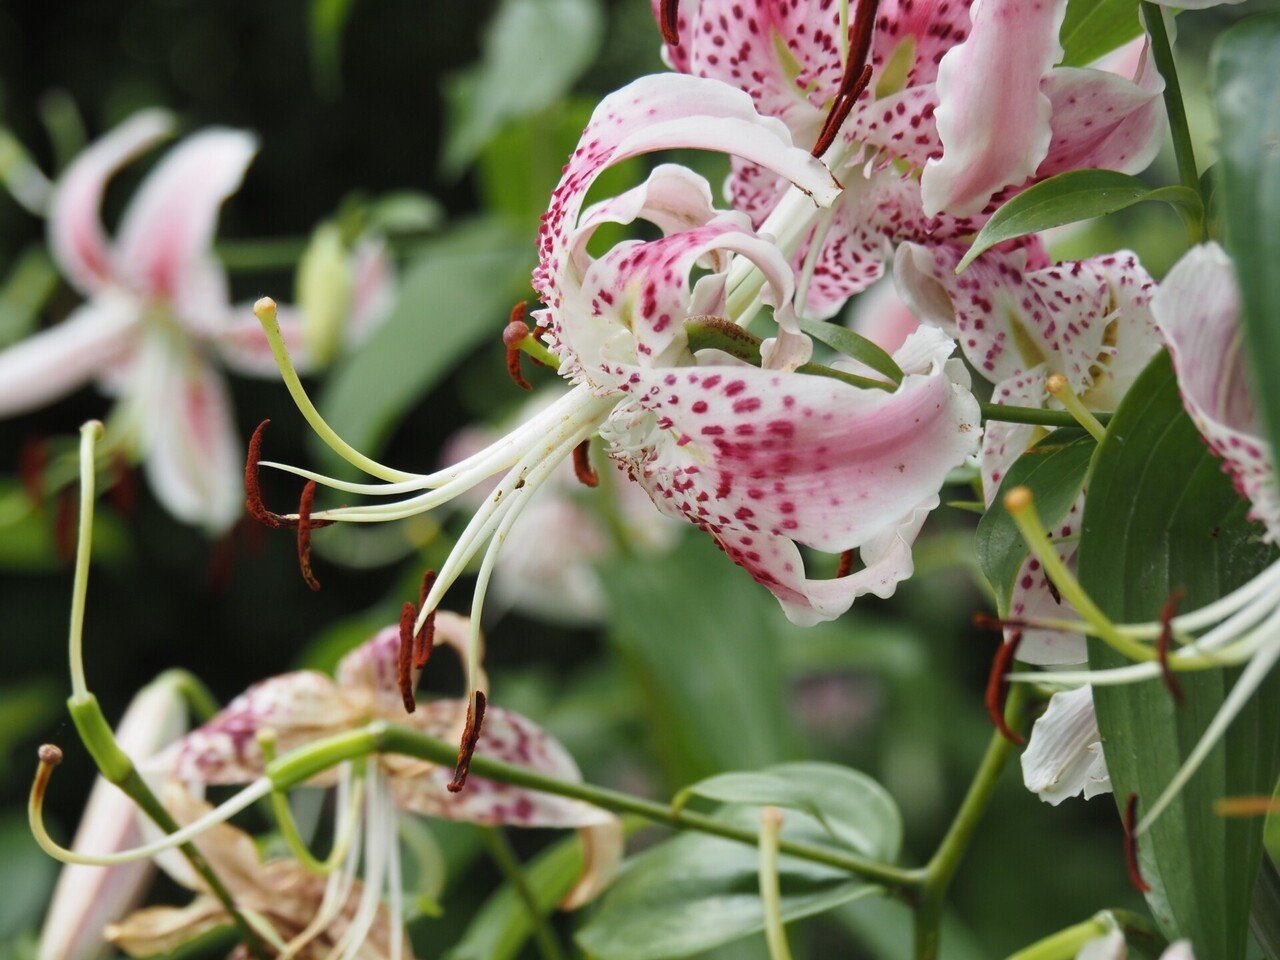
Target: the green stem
pixel 504 856
pixel 199 698
pixel 942 868
pixel 306 762
pixel 1037 416
pixel 1179 129
pixel 117 768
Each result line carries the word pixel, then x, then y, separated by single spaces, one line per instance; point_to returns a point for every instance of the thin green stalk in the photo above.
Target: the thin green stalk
pixel 504 856
pixel 302 764
pixel 199 698
pixel 946 860
pixel 1038 416
pixel 775 931
pixel 1179 129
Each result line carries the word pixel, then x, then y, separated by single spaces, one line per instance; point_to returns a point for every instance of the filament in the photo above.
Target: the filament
pixel 89 435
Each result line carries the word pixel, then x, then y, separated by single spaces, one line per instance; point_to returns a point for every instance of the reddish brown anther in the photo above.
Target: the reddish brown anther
pixel 404 662
pixel 856 77
pixel 845 566
pixel 470 737
pixel 64 526
pixel 1163 641
pixel 123 489
pixel 582 465
pixel 998 688
pixel 1131 845
pixel 669 21
pixel 32 461
pixel 425 639
pixel 253 502
pixel 514 334
pixel 985 621
pixel 305 503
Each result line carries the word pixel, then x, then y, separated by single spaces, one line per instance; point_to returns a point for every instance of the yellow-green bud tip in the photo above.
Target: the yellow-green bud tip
pixel 265 309
pixel 49 754
pixel 1056 384
pixel 1019 498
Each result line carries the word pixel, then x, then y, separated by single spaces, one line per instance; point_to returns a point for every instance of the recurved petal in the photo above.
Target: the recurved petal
pixel 1197 308
pixel 665 112
pixel 167 231
pixel 809 458
pixel 193 457
pixel 159 930
pixel 993 117
pixel 421 788
pixel 1064 756
pixel 299 707
pixel 76 236
pixel 603 845
pixel 50 364
pixel 1103 121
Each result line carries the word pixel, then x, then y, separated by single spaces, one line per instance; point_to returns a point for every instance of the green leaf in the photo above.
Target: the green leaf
pixel 1160 516
pixel 683 626
pixel 1093 28
pixel 452 299
pixel 1246 74
pixel 696 891
pixel 533 52
pixel 853 345
pixel 1264 918
pixel 1054 470
pixel 1067 198
pixel 847 803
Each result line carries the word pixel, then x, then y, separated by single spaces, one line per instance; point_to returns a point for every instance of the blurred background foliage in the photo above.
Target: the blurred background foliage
pixel 463 114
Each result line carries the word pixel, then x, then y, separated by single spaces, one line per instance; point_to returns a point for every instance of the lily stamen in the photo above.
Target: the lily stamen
pixel 512 335
pixel 1163 642
pixel 669 22
pixel 404 662
pixel 1131 845
pixel 998 687
pixel 304 534
pixel 1059 388
pixel 425 637
pixel 582 468
pixel 470 737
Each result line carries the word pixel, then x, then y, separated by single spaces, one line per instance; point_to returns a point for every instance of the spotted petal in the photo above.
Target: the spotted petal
pixel 659 113
pixel 746 453
pixel 420 787
pixel 1198 310
pixel 993 118
pixel 166 236
pixel 1064 756
pixel 299 707
pixel 76 236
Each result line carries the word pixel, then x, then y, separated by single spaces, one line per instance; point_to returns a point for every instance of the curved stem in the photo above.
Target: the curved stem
pixel 305 762
pixel 504 856
pixel 946 860
pixel 89 435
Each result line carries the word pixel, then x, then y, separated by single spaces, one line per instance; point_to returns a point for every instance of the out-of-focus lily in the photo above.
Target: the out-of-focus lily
pixel 1197 309
pixel 756 449
pixel 939 126
pixel 282 897
pixel 298 708
pixel 1112 946
pixel 87 898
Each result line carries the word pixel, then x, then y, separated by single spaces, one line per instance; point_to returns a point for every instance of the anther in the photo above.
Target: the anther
pixel 1167 613
pixel 845 566
pixel 425 639
pixel 998 687
pixel 582 465
pixel 1255 806
pixel 470 737
pixel 404 662
pixel 512 336
pixel 855 78
pixel 32 461
pixel 1131 845
pixel 669 21
pixel 305 503
pixel 253 501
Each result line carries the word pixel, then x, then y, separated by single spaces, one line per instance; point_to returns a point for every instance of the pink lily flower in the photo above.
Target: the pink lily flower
pixel 940 104
pixel 156 324
pixel 87 898
pixel 301 707
pixel 763 458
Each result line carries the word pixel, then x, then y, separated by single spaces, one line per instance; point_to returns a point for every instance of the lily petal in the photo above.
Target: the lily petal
pixel 193 457
pixel 164 245
pixel 56 361
pixel 76 237
pixel 658 113
pixel 881 316
pixel 1064 756
pixel 1112 946
pixel 603 845
pixel 421 788
pixel 993 118
pixel 299 707
pixel 1198 310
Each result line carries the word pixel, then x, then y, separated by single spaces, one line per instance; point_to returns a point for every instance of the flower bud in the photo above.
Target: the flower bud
pixel 87 898
pixel 324 288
